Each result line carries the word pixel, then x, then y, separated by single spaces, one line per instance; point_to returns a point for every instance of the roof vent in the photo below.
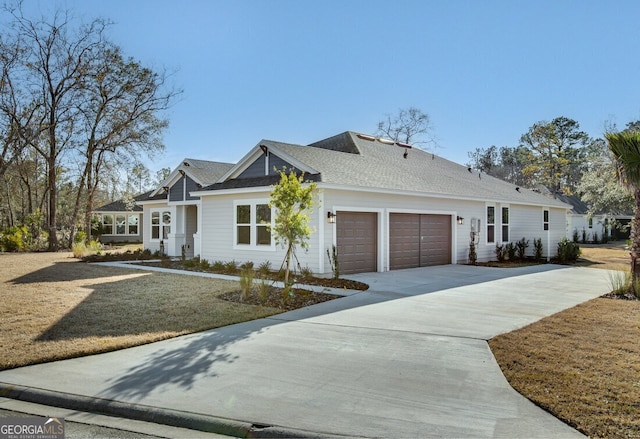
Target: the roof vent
pixel 469 169
pixel 365 137
pixel 517 189
pixel 404 145
pixel 386 141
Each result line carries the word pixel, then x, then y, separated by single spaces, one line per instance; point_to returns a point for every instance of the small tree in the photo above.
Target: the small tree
pixel 293 200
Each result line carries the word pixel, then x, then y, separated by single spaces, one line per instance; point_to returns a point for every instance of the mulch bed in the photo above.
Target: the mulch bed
pixel 308 280
pixel 274 298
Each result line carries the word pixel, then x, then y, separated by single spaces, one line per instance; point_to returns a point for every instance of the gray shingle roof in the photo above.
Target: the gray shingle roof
pixel 378 165
pixel 121 206
pixel 207 172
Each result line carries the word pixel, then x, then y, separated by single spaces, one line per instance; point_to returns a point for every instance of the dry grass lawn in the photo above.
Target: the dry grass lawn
pixel 582 364
pixel 54 307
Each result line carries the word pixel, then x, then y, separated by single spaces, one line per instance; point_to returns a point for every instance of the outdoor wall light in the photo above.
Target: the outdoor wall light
pixel 460 220
pixel 331 217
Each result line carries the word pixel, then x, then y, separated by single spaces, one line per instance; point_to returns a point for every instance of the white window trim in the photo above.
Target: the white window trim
pixel 160 210
pixel 505 206
pixel 486 222
pixel 126 225
pixel 548 221
pixel 253 226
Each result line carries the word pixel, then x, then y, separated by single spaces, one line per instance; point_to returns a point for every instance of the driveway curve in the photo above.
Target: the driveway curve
pixel 407 358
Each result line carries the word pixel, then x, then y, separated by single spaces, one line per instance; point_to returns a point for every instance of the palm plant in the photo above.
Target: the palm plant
pixel 625 146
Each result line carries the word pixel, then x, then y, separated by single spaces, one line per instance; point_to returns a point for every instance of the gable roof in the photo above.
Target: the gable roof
pixel 352 160
pixel 121 205
pixel 203 172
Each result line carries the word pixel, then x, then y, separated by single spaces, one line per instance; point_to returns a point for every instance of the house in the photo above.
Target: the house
pixel 121 221
pixel 590 227
pixel 172 210
pixel 383 204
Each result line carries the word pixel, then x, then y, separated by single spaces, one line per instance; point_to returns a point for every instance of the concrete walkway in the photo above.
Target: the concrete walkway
pixel 408 358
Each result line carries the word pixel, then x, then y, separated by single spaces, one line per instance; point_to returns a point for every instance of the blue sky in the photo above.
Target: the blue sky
pixel 300 71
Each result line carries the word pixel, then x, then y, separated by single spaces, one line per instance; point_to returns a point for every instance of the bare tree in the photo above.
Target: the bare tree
pixel 119 117
pixel 410 126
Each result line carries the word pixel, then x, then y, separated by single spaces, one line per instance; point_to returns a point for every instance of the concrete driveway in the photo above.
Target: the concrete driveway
pixel 408 358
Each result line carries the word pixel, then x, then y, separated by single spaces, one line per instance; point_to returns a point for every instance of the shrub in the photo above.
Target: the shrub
pixel 264 291
pixel 95 246
pixel 538 250
pixel 501 252
pixel 247 266
pixel 511 251
pixel 217 266
pixel 575 235
pixel 205 265
pixel 231 267
pixel 13 239
pixel 81 236
pixel 306 272
pixel 568 251
pixel 80 250
pixel 265 268
pixel 522 246
pixel 246 282
pixel 584 236
pixel 620 282
pixel 333 260
pixel 596 239
pixel 473 255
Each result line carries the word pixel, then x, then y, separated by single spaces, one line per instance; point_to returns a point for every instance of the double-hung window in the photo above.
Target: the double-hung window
pixel 505 224
pixel 545 219
pixel 253 221
pixel 160 224
pixel 491 224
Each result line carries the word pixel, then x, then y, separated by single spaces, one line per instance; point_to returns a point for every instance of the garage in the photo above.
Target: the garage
pixel 419 240
pixel 357 242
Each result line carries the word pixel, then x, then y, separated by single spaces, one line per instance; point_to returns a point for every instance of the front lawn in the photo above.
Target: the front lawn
pixel 54 307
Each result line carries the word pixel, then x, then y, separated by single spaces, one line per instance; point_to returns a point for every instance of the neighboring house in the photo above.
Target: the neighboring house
pixel 120 222
pixel 588 227
pixel 172 212
pixel 383 204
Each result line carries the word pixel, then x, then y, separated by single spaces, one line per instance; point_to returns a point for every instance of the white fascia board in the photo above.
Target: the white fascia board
pixel 242 164
pixel 242 190
pixel 432 195
pixel 175 176
pixel 149 202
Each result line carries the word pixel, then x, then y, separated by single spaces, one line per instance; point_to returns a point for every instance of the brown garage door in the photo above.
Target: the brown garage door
pixel 357 242
pixel 419 240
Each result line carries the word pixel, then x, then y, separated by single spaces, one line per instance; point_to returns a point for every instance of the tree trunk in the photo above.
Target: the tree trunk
pixel 635 240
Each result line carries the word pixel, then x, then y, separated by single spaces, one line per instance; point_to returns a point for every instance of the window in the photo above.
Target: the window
pixel 160 224
pixel 491 224
pixel 505 224
pixel 545 219
pixel 119 224
pixel 107 224
pixel 243 224
pixel 591 223
pixel 133 225
pixel 252 224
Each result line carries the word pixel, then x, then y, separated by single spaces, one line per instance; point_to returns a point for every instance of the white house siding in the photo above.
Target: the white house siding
pixel 217 228
pixel 525 221
pixel 581 222
pixel 217 235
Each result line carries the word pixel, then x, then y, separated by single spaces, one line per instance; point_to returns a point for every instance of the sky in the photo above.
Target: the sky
pixel 299 71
